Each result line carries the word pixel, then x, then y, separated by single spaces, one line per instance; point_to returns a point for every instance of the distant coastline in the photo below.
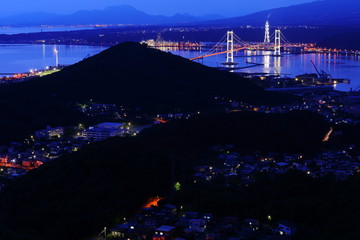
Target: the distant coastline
pixel 9 30
pixel 109 35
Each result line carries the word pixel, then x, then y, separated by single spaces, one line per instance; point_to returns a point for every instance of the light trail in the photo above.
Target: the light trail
pixel 153 202
pixel 327 136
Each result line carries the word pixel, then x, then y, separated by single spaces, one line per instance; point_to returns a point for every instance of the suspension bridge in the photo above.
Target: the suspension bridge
pixel 234 43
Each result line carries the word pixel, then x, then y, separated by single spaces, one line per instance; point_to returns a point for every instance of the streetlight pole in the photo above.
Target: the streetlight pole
pixel 56 58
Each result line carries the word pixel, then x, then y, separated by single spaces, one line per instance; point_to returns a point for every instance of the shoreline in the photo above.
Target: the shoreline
pixel 327 51
pixel 112 35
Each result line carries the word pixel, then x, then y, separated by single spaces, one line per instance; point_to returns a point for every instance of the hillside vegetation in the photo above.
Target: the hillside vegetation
pixel 78 194
pixel 130 75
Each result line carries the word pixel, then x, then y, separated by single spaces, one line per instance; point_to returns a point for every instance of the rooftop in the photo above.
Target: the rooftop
pixel 110 125
pixel 165 228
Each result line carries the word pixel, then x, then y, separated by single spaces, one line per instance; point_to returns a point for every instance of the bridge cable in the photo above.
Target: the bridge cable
pixel 240 40
pixel 272 36
pixel 284 38
pixel 213 49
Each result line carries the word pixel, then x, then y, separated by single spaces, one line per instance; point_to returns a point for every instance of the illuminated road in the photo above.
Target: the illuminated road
pixel 152 202
pixel 327 136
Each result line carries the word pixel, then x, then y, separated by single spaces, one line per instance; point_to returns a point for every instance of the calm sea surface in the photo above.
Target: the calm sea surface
pixel 16 30
pixel 16 58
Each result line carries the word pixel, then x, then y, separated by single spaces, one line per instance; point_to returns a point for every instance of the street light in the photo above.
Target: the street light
pixel 56 58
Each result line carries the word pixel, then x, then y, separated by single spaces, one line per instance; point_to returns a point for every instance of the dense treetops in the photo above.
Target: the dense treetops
pixel 81 193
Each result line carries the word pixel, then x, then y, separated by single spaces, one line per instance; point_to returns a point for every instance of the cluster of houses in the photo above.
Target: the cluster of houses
pixel 231 166
pixel 50 143
pixel 163 118
pixel 169 222
pixel 22 157
pixel 337 163
pixel 175 223
pixel 103 110
pixel 336 107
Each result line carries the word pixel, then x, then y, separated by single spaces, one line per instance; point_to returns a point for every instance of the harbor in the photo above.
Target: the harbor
pixel 343 70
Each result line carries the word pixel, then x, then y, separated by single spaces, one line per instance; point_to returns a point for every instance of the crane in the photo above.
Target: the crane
pixel 322 74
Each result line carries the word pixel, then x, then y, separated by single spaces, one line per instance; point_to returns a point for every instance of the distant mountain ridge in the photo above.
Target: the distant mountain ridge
pixel 317 13
pixel 29 17
pixel 348 40
pixel 123 14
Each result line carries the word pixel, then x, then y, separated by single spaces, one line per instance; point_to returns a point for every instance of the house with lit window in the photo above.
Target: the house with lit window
pixel 286 228
pixel 50 133
pixel 164 232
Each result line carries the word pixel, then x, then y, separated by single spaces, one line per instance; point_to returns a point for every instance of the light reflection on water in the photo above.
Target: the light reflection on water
pixel 18 30
pixel 339 66
pixel 15 58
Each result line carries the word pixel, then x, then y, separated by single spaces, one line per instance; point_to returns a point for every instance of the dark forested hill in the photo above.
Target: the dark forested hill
pixel 128 74
pixel 77 195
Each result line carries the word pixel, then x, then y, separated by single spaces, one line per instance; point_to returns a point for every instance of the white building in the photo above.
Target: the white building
pixel 104 130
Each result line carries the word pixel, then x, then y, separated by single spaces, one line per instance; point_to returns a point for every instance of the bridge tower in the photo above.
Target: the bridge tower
pixel 267 33
pixel 230 48
pixel 277 42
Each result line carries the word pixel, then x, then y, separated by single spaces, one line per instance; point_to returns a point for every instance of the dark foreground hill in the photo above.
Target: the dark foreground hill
pixel 129 74
pixel 77 195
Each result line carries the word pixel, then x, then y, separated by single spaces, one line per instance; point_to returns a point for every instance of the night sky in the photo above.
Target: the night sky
pixel 226 8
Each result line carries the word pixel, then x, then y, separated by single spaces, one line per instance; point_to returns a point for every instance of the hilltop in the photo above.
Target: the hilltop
pixel 155 81
pixel 129 74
